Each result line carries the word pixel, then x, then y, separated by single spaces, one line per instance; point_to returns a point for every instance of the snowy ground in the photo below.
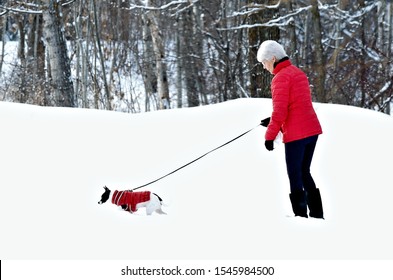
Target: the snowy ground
pixel 231 204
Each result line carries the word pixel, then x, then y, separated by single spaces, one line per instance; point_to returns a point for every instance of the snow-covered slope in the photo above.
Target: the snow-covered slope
pixel 231 204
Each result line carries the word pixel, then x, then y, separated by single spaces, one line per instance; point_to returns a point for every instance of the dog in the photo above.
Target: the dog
pixel 131 201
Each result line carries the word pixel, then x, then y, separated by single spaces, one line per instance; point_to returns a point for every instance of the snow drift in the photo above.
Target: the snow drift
pixel 231 204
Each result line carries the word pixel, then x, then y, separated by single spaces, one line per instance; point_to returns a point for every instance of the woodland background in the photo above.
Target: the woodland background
pixel 142 55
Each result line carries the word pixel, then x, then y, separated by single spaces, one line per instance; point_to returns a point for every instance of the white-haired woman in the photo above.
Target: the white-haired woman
pixel 293 114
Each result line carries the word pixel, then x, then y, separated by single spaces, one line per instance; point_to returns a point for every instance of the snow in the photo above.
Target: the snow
pixel 231 204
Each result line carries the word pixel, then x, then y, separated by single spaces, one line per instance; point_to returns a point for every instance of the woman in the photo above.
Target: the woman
pixel 293 115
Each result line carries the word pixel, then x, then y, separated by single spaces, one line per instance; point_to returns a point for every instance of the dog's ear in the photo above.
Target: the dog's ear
pixel 105 188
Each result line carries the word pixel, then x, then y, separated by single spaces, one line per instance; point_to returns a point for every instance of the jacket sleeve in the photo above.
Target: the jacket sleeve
pixel 280 97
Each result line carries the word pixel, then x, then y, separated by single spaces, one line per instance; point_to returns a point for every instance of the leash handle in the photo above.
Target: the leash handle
pixel 187 164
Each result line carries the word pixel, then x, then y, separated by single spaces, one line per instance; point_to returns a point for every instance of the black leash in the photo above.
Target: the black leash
pixel 196 159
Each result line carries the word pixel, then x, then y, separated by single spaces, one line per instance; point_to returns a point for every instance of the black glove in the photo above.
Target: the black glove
pixel 269 145
pixel 265 122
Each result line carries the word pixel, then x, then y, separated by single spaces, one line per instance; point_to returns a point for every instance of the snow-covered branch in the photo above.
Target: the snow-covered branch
pixel 254 8
pixel 30 8
pixel 350 16
pixel 4 12
pixel 18 10
pixel 281 21
pixel 163 7
pixel 68 3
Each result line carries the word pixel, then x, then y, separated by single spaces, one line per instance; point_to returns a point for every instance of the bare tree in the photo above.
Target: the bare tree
pixel 293 47
pixel 263 11
pixel 179 63
pixel 159 52
pixel 82 31
pixel 147 67
pixel 2 36
pixel 59 64
pixel 36 60
pixel 101 56
pixel 189 60
pixel 319 57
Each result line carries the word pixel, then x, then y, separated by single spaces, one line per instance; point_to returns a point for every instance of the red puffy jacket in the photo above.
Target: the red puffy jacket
pixel 293 112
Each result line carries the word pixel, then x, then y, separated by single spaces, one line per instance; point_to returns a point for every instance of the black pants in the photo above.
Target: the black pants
pixel 298 156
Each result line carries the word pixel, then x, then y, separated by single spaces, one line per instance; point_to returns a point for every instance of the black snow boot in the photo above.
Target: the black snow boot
pixel 299 203
pixel 314 202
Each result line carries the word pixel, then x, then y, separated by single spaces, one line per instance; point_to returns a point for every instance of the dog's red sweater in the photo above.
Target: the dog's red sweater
pixel 130 199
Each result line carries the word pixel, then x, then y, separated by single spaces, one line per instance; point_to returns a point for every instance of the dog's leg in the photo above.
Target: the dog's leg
pixel 160 203
pixel 149 211
pixel 153 205
pixel 156 204
pixel 159 211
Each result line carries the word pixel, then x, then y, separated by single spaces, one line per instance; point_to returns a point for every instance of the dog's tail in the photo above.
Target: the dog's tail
pixel 160 199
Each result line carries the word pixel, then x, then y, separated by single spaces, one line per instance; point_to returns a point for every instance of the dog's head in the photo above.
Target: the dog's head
pixel 105 196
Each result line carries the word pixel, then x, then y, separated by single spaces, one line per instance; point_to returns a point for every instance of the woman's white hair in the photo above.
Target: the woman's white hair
pixel 269 49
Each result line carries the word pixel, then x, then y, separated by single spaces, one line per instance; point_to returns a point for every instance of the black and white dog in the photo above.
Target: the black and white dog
pixel 131 201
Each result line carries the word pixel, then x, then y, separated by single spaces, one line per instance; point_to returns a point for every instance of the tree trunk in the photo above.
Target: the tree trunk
pixel 198 51
pixel 319 59
pixel 293 50
pixel 260 78
pixel 389 54
pixel 362 62
pixel 189 61
pixel 101 57
pixel 149 79
pixel 60 70
pixel 22 86
pixel 36 61
pixel 2 36
pixel 339 46
pixel 159 53
pixel 179 63
pixel 85 56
